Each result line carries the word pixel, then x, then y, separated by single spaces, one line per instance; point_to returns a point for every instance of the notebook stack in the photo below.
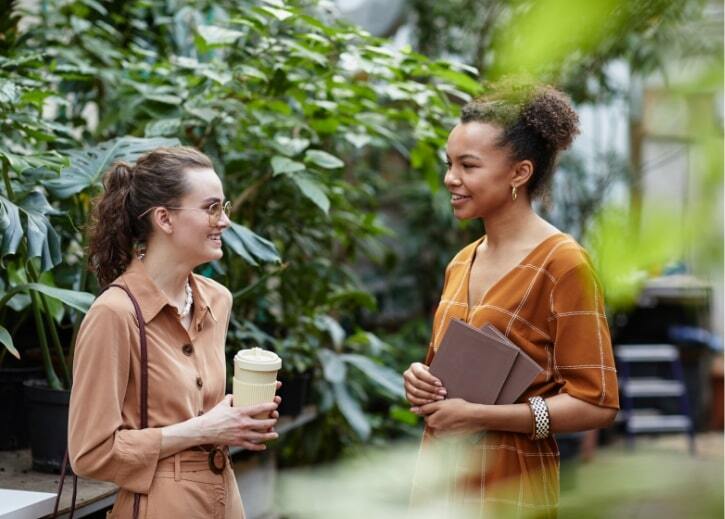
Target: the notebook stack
pixel 482 365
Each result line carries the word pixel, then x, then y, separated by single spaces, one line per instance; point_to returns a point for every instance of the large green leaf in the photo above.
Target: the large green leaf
pixel 282 165
pixel 352 411
pixel 43 240
pixel 7 340
pixel 385 377
pixel 88 165
pixel 249 245
pixel 215 35
pixel 323 159
pixel 333 368
pixel 81 301
pixel 11 230
pixel 313 190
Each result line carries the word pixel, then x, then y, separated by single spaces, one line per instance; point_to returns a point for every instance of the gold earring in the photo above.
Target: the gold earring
pixel 513 193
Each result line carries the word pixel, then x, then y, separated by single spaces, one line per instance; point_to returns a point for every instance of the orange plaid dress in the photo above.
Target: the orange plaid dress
pixel 551 305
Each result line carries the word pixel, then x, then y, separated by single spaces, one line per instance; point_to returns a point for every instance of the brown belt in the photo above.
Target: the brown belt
pixel 200 457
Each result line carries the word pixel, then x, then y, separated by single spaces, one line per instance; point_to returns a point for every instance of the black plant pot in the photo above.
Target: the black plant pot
pixel 47 424
pixel 14 423
pixel 293 393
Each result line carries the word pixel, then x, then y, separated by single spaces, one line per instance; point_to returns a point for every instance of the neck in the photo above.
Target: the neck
pixel 517 224
pixel 168 274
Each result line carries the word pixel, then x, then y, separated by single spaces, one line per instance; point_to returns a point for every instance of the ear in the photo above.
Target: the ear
pixel 522 173
pixel 162 220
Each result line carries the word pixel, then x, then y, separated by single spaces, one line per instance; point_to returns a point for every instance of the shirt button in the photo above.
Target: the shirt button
pixel 187 349
pixel 199 382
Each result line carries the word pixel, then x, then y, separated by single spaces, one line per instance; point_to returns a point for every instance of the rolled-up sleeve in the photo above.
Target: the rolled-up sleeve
pixel 100 445
pixel 582 346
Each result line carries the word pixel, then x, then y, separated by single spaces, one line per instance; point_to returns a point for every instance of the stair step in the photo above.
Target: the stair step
pixel 658 424
pixel 646 353
pixel 652 387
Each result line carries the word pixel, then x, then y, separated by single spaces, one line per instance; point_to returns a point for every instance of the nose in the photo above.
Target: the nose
pixel 451 178
pixel 224 221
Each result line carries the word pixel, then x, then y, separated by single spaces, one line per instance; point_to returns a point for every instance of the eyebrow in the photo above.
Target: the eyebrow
pixel 211 200
pixel 465 156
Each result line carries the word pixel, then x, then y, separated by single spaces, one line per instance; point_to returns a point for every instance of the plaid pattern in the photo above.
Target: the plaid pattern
pixel 550 305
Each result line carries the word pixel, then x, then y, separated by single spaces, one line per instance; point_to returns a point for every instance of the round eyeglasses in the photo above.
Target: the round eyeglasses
pixel 214 211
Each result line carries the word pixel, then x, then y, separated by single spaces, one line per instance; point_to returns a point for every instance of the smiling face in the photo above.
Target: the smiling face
pixel 197 240
pixel 480 172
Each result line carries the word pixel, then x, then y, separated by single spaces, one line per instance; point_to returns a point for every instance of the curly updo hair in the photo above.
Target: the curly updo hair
pixel 130 190
pixel 537 123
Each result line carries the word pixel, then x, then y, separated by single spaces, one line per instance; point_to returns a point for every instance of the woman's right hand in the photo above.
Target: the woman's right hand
pixel 227 425
pixel 420 386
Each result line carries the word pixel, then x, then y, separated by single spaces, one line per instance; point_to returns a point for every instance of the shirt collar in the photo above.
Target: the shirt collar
pixel 152 300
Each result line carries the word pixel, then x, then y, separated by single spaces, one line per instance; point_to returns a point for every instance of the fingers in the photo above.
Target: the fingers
pixel 250 446
pixel 421 393
pixel 422 372
pixel 227 400
pixel 277 399
pixel 418 377
pixel 418 401
pixel 261 425
pixel 279 384
pixel 257 409
pixel 426 409
pixel 260 437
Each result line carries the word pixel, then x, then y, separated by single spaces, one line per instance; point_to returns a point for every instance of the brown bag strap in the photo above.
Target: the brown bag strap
pixel 144 406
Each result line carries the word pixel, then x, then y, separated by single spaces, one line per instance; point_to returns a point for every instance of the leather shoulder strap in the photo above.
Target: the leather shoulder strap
pixel 144 405
pixel 144 354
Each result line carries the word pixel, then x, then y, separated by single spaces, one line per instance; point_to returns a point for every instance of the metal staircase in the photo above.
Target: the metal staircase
pixel 639 420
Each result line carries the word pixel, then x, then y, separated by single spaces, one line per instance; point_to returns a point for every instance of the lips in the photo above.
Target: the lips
pixel 216 238
pixel 458 199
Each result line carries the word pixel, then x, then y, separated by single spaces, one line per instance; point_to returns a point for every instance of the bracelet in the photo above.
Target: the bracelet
pixel 540 418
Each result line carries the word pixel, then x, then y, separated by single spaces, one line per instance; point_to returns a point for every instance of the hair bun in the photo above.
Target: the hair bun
pixel 549 114
pixel 119 177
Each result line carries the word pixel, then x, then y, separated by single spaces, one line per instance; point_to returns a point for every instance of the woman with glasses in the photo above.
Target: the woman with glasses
pixel 155 222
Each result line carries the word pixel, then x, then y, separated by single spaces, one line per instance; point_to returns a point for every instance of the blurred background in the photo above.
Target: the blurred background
pixel 327 122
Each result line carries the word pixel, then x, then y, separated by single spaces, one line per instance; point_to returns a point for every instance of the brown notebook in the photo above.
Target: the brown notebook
pixel 471 364
pixel 523 372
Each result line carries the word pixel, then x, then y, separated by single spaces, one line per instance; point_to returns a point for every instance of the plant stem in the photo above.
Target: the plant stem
pixel 35 278
pixel 56 340
pixel 53 380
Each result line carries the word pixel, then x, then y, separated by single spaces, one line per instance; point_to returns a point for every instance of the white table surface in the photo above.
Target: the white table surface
pixel 23 504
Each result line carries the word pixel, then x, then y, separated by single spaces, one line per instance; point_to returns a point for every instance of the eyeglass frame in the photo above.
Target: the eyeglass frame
pixel 225 208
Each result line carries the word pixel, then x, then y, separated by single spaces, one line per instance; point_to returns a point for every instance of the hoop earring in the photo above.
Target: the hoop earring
pixel 513 193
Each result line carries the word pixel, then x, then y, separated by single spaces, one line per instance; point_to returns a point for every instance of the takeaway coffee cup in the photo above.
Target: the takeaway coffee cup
pixel 255 376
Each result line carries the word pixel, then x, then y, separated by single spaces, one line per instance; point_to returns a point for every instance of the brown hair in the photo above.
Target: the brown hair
pixel 157 179
pixel 537 122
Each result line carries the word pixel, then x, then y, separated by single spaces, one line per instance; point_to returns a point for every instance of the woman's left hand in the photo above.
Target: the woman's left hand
pixel 454 416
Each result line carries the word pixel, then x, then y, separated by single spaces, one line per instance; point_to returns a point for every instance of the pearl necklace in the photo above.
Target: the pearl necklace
pixel 188 302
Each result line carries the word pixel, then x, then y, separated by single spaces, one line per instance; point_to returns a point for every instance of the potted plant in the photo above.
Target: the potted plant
pixel 37 259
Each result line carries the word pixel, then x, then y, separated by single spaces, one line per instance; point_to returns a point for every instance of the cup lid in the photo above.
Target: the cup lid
pixel 257 359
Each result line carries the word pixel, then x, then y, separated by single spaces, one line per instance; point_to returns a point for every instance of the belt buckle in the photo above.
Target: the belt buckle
pixel 214 454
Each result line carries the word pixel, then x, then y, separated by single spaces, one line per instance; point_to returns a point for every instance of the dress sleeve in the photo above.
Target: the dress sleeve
pixel 583 357
pixel 430 352
pixel 99 446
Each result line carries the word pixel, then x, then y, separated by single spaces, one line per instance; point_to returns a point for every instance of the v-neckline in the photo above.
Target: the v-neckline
pixel 503 277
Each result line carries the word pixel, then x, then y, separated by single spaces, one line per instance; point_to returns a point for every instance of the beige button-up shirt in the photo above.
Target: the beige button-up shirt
pixel 186 376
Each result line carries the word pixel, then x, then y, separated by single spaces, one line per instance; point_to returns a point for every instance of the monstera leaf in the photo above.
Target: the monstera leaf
pixel 43 240
pixel 87 165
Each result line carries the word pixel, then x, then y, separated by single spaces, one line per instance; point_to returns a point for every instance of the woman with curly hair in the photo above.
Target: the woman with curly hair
pixel 536 285
pixel 147 409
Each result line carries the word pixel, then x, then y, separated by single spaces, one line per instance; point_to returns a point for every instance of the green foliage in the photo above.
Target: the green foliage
pixel 302 117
